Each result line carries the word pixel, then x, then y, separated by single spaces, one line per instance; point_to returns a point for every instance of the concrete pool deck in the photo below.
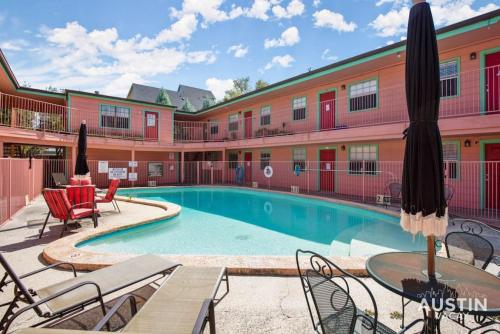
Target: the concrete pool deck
pixel 255 304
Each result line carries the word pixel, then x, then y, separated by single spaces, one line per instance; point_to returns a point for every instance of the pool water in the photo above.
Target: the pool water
pixel 232 221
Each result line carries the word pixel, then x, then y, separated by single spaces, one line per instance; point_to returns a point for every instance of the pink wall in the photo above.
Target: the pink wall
pixel 87 108
pixel 18 183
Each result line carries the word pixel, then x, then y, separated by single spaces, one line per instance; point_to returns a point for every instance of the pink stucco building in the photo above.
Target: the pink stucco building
pixel 341 124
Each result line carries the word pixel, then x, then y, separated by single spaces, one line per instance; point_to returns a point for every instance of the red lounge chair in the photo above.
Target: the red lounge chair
pixel 110 195
pixel 60 207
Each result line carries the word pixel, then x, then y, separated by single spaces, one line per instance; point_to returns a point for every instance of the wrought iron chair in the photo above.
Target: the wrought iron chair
pixel 331 307
pixel 475 250
pixel 469 248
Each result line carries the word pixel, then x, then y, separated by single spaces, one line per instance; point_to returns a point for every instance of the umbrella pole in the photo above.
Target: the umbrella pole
pixel 431 254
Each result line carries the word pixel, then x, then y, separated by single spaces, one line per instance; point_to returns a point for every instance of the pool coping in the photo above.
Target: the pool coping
pixel 65 250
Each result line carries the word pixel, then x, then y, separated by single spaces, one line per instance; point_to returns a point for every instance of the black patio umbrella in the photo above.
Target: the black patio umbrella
pixel 81 167
pixel 423 202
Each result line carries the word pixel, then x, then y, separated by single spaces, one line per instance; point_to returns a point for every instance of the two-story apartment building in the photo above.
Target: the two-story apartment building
pixel 335 130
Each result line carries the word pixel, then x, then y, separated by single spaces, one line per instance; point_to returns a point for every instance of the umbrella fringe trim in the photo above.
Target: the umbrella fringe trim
pixel 427 225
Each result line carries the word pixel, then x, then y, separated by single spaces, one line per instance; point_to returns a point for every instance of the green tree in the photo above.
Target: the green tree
pixel 240 87
pixel 188 107
pixel 261 84
pixel 163 98
pixel 208 102
pixel 52 89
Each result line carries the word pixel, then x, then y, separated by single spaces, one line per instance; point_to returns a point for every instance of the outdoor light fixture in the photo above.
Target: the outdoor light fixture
pixel 342 148
pixel 398 54
pixel 467 143
pixel 473 56
pixel 342 87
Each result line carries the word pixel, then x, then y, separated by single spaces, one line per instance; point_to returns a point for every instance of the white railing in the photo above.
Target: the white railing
pixel 473 188
pixel 462 96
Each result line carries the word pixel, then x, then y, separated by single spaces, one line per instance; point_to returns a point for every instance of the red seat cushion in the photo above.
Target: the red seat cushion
pixel 85 182
pixel 73 182
pixel 82 213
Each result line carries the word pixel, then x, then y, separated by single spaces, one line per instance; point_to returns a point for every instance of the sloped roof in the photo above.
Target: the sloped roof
pixel 178 98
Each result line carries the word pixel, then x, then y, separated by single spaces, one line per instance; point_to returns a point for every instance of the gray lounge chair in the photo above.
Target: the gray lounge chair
pixel 72 295
pixel 60 180
pixel 184 303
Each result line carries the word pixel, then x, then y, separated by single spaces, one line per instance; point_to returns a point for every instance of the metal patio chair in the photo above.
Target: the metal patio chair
pixel 329 301
pixel 73 295
pixel 475 250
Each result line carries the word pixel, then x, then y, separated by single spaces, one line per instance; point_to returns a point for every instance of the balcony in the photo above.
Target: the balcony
pixel 461 97
pixel 29 114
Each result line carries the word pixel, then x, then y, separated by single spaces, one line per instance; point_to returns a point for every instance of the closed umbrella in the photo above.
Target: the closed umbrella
pixel 81 167
pixel 423 201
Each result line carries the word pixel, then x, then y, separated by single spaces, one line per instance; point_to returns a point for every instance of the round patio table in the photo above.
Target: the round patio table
pixel 466 286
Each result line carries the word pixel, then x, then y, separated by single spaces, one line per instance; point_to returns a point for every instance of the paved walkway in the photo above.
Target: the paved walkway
pixel 255 304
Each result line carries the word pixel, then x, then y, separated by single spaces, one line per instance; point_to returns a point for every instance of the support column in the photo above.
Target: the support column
pixel 182 166
pixel 72 161
pixel 132 158
pixel 1 149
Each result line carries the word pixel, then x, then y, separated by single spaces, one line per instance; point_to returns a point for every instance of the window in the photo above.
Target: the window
pixel 155 169
pixel 363 159
pixel 299 158
pixel 265 115
pixel 299 108
pixel 115 117
pixel 214 128
pixel 233 122
pixel 448 72
pixel 265 159
pixel 233 160
pixel 363 95
pixel 451 157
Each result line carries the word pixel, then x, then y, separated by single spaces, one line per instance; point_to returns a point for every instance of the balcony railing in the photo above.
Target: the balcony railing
pixel 30 114
pixel 461 96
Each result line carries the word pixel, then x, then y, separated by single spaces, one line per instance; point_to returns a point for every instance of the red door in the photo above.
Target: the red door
pixel 327 110
pixel 248 167
pixel 492 82
pixel 492 176
pixel 248 124
pixel 327 173
pixel 150 125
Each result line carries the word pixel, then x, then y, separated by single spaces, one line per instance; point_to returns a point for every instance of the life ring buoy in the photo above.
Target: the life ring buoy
pixel 268 172
pixel 268 207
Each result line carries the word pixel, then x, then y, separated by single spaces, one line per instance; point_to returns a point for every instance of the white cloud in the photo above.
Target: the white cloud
pixel 326 55
pixel 283 61
pixel 178 31
pixel 209 10
pixel 294 8
pixel 391 24
pixel 259 9
pixel 238 50
pixel 394 2
pixel 390 42
pixel 219 86
pixel 316 3
pixel 73 57
pixel 327 19
pixel 288 37
pixel 444 12
pixel 14 45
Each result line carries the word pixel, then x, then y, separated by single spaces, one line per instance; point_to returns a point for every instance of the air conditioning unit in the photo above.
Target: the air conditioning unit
pixel 151 183
pixel 255 184
pixel 295 189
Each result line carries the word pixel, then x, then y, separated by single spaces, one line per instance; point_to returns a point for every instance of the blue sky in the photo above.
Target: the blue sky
pixel 106 45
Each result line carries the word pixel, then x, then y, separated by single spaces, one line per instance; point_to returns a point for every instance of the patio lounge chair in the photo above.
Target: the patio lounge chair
pixel 61 208
pixel 184 303
pixel 60 180
pixel 72 295
pixel 331 307
pixel 110 195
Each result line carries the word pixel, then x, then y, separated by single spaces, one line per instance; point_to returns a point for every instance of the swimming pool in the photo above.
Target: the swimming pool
pixel 234 221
